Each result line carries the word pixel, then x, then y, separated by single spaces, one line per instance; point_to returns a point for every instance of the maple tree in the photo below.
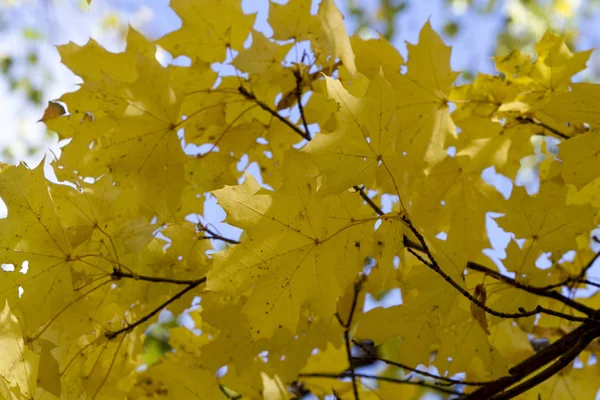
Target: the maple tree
pixel 338 129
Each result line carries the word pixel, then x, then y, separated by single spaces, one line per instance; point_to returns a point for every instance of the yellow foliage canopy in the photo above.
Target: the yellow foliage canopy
pixel 370 185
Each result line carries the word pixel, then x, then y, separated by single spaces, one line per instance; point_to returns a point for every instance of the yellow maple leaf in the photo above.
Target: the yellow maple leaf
pixel 361 144
pixel 546 221
pixel 19 366
pixel 300 249
pixel 205 37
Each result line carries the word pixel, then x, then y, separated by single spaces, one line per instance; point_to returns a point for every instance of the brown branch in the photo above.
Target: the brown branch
pixel 580 278
pixel 585 269
pixel 111 335
pixel 539 291
pixel 298 77
pixel 469 296
pixel 525 119
pixel 379 378
pixel 117 274
pixel 346 325
pixel 420 372
pixel 367 199
pixel 432 264
pixel 216 236
pixel 552 370
pixel 251 96
pixel 566 349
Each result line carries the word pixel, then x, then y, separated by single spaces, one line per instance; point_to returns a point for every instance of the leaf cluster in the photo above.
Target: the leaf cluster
pixel 370 183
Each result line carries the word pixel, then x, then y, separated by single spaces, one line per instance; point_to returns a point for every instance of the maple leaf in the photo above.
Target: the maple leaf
pixel 543 224
pixel 19 363
pixel 33 234
pixel 364 139
pixel 204 37
pixel 422 100
pixel 290 252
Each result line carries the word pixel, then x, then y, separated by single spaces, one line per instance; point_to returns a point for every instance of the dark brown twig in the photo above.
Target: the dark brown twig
pixel 564 348
pixel 298 77
pixel 539 291
pixel 216 236
pixel 367 199
pixel 556 367
pixel 379 378
pixel 432 264
pixel 346 325
pixel 227 394
pixel 250 96
pixel 525 119
pixel 420 372
pixel 111 335
pixel 117 274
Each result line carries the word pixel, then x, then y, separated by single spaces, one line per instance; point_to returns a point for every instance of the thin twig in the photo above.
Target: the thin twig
pixel 432 264
pixel 251 96
pixel 111 335
pixel 379 378
pixel 580 278
pixel 117 274
pixel 346 325
pixel 539 291
pixel 530 120
pixel 367 199
pixel 216 236
pixel 420 372
pixel 298 77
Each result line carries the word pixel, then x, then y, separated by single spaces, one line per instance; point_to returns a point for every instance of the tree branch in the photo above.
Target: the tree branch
pixel 298 77
pixel 111 335
pixel 379 378
pixel 552 370
pixel 367 199
pixel 580 278
pixel 118 274
pixel 216 236
pixel 250 96
pixel 417 371
pixel 539 291
pixel 566 349
pixel 346 325
pixel 524 119
pixel 432 264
